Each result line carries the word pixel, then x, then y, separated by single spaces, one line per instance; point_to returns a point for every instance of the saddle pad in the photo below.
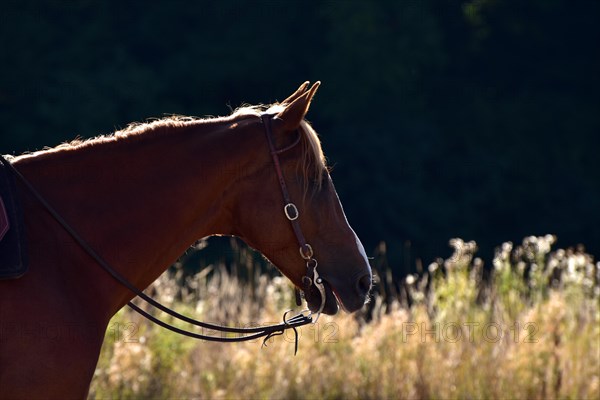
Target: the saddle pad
pixel 13 255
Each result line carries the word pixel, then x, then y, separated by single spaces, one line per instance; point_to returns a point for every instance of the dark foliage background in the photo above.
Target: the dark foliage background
pixel 443 118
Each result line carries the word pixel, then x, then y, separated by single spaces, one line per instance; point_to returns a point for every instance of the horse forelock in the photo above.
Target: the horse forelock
pixel 313 163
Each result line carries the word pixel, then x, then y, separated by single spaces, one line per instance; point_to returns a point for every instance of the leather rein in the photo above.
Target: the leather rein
pixel 229 334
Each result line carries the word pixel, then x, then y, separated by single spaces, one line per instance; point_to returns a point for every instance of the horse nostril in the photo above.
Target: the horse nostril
pixel 364 285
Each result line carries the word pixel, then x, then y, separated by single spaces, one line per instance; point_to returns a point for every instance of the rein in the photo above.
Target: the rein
pixel 266 332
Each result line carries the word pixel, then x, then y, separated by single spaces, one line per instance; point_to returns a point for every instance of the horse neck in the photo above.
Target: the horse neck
pixel 140 202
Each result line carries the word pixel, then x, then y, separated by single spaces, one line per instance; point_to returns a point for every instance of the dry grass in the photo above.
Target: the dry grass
pixel 530 331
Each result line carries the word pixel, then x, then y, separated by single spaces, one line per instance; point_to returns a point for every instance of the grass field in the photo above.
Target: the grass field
pixel 528 329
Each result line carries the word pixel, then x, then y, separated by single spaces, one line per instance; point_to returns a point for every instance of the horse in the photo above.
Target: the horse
pixel 140 197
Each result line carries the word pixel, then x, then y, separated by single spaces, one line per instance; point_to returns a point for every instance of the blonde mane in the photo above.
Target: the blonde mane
pixel 312 166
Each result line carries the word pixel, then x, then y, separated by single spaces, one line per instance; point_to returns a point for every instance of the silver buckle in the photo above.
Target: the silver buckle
pixel 294 211
pixel 308 255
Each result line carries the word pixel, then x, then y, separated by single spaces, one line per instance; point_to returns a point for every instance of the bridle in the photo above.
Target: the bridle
pixel 242 334
pixel 291 212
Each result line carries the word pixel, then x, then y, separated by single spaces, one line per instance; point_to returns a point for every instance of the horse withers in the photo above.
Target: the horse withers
pixel 139 198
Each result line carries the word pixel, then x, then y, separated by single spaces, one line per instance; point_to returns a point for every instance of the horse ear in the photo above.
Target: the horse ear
pixel 294 112
pixel 296 94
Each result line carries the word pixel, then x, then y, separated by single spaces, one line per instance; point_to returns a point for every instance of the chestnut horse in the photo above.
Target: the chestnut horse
pixel 140 198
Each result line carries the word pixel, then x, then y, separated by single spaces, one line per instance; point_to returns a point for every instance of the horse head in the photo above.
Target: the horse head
pixel 265 219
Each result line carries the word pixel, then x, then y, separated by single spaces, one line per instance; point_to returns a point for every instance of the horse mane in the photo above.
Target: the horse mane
pixel 312 166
